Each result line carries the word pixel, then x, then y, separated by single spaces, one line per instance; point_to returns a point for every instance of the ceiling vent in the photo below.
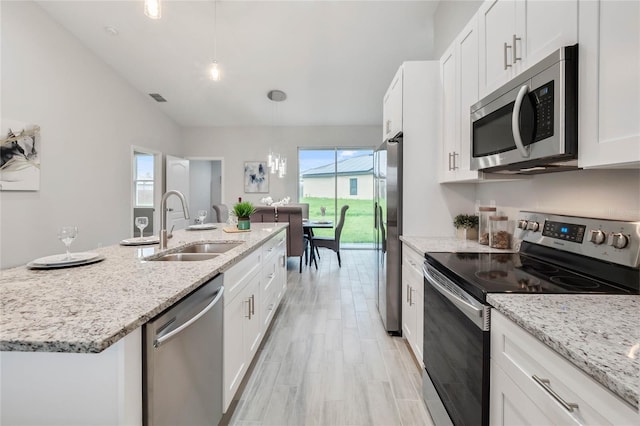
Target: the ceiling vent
pixel 158 97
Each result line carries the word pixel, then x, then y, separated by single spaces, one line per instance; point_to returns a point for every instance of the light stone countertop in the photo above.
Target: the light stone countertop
pixel 448 245
pixel 86 309
pixel 599 334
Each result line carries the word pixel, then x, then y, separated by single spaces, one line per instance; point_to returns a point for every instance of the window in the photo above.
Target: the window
pixel 330 178
pixel 143 180
pixel 353 186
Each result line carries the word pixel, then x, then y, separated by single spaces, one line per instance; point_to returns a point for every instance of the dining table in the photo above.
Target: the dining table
pixel 308 226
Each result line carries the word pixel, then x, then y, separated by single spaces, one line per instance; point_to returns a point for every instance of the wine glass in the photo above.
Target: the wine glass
pixel 202 214
pixel 67 234
pixel 141 223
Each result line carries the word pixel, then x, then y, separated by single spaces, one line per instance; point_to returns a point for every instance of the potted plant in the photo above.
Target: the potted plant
pixel 466 226
pixel 242 211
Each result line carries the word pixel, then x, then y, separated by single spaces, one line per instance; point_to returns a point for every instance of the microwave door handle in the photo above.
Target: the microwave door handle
pixel 515 124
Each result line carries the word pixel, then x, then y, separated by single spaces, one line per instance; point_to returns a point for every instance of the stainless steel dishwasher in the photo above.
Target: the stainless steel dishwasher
pixel 182 351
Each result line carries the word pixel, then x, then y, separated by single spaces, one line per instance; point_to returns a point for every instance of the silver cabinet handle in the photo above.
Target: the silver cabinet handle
pixel 411 296
pixel 515 121
pixel 545 383
pixel 450 168
pixel 253 304
pixel 455 154
pixel 407 293
pixel 514 55
pixel 506 46
pixel 248 308
pixel 159 341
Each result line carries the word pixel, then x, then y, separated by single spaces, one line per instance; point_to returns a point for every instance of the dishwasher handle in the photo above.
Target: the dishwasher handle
pixel 159 341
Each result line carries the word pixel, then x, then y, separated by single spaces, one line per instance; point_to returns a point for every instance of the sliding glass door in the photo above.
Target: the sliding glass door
pixel 330 178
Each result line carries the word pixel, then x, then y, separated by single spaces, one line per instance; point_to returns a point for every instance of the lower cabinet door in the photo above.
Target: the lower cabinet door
pixel 509 405
pixel 235 363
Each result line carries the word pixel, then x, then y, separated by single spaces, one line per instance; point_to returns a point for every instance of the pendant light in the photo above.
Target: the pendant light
pixel 214 70
pixel 153 9
pixel 277 163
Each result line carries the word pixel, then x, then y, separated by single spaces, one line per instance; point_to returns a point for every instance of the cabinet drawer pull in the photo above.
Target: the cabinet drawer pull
pixel 506 46
pixel 455 154
pixel 515 57
pixel 450 162
pixel 253 304
pixel 545 383
pixel 407 293
pixel 248 308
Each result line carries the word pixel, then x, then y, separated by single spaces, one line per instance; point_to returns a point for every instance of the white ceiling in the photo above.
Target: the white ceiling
pixel 334 59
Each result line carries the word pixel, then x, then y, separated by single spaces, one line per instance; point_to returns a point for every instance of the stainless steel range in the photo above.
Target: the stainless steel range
pixel 558 254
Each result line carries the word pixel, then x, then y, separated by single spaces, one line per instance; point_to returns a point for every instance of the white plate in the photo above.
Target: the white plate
pixel 82 259
pixel 61 259
pixel 201 227
pixel 140 241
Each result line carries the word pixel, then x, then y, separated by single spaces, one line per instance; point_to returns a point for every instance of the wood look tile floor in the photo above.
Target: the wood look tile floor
pixel 327 359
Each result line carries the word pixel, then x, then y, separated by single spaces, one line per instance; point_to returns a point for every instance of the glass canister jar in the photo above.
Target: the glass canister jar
pixel 499 235
pixel 483 223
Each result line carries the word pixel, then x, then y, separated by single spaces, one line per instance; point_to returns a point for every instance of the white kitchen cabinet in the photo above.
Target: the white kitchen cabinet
pixel 392 107
pixel 242 324
pixel 516 34
pixel 254 287
pixel 413 300
pixel 459 78
pixel 517 398
pixel 273 274
pixel 609 98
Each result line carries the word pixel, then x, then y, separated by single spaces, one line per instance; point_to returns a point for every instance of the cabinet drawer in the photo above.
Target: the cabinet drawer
pixel 271 247
pixel 239 275
pixel 521 356
pixel 412 259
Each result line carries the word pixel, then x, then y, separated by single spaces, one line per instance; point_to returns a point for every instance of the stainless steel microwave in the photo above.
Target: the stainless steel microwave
pixel 530 125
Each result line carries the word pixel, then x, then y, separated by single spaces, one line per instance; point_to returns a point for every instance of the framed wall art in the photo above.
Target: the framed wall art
pixel 256 176
pixel 19 156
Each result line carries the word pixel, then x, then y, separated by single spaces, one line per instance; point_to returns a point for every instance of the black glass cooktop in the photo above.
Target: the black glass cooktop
pixel 482 273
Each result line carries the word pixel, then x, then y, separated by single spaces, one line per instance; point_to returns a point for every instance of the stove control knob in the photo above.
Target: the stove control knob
pixel 618 240
pixel 522 224
pixel 597 236
pixel 533 226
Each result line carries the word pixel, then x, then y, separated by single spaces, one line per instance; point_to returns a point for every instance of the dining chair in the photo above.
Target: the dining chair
pixel 296 242
pixel 222 212
pixel 332 243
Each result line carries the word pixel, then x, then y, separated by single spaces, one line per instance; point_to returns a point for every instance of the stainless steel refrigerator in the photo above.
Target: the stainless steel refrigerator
pixel 387 171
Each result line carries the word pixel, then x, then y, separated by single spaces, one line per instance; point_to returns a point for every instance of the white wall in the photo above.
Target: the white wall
pixel 89 118
pixel 240 144
pixel 598 193
pixel 450 17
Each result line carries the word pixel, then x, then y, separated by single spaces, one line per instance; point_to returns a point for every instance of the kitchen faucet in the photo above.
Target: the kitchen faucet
pixel 163 214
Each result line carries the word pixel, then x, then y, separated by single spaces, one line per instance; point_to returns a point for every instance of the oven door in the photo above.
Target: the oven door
pixel 456 349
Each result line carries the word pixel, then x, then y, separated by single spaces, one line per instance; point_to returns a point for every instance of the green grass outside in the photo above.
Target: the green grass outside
pixel 358 223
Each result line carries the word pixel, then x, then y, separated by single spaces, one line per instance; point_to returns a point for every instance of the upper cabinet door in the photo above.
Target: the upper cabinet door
pixel 609 99
pixel 517 34
pixel 496 20
pixel 468 94
pixel 392 108
pixel 449 119
pixel 543 27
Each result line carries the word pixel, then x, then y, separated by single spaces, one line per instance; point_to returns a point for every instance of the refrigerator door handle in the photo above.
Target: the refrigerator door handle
pixel 375 215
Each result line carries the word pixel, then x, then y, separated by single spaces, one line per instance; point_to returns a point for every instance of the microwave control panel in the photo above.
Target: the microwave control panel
pixel 542 99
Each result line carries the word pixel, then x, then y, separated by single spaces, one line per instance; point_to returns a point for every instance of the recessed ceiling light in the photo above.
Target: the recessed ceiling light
pixel 111 30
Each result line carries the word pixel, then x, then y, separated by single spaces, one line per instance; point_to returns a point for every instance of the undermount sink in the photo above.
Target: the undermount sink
pixel 198 251
pixel 185 257
pixel 209 247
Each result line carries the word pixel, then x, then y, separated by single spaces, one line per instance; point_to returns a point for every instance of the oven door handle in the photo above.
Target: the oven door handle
pixel 515 121
pixel 479 315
